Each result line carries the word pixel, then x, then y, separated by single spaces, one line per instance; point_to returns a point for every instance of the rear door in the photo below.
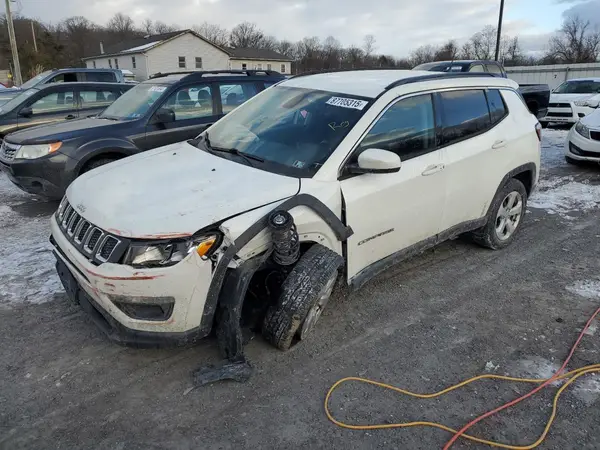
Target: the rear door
pixel 193 108
pixel 48 106
pixel 93 100
pixel 233 93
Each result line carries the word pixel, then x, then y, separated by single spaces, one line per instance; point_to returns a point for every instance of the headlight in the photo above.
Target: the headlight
pixel 170 253
pixel 37 151
pixel 582 130
pixel 581 103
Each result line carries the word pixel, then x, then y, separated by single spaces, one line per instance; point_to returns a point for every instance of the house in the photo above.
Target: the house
pixel 183 51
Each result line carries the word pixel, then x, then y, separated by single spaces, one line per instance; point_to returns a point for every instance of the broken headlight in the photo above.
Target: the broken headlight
pixel 164 254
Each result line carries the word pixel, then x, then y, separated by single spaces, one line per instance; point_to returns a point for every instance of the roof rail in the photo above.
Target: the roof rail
pixel 438 76
pixel 316 72
pixel 201 73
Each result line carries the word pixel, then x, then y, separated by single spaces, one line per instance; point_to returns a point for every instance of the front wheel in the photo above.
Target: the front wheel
pixel 505 217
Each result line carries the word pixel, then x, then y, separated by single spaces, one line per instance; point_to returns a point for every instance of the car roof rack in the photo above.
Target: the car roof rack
pixel 201 73
pixel 438 76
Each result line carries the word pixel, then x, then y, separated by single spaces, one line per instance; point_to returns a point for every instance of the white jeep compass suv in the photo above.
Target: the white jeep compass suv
pixel 320 175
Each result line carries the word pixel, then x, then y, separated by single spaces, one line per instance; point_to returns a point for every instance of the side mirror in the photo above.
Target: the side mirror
pixel 375 160
pixel 26 112
pixel 164 115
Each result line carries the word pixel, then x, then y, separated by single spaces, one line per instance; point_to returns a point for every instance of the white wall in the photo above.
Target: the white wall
pixel 165 57
pixel 552 75
pixel 125 62
pixel 253 64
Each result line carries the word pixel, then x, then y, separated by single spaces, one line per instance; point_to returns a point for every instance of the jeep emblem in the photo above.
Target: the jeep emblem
pixel 80 207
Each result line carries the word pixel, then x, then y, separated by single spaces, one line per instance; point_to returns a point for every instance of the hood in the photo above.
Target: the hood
pixel 173 191
pixel 556 98
pixel 592 120
pixel 67 129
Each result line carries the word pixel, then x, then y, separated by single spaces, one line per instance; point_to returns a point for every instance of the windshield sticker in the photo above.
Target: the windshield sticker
pixel 334 126
pixel 304 113
pixel 29 92
pixel 298 164
pixel 157 89
pixel 347 103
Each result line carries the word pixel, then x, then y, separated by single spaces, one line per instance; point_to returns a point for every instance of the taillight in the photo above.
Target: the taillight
pixel 538 130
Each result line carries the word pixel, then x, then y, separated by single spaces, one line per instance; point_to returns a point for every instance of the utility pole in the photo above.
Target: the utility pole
pixel 34 40
pixel 499 29
pixel 13 45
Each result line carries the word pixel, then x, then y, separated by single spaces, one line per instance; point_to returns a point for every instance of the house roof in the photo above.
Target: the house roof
pixel 256 53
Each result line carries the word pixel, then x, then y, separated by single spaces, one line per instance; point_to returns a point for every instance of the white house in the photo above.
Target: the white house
pixel 183 51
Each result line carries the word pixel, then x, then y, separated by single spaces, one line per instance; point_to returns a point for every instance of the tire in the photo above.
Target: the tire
pixel 544 124
pixel 95 163
pixel 575 162
pixel 496 233
pixel 304 294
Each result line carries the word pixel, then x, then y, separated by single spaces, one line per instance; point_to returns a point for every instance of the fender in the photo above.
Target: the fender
pixel 97 147
pixel 529 167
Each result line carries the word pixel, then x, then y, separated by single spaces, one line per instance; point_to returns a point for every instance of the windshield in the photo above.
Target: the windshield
pixel 579 87
pixel 135 102
pixel 35 80
pixel 16 101
pixel 294 130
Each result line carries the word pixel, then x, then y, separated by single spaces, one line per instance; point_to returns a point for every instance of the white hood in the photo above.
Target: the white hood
pixel 173 191
pixel 562 98
pixel 592 120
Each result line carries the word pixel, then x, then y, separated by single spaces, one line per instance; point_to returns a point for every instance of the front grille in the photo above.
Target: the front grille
pixel 559 114
pixel 595 135
pixel 559 105
pixel 8 150
pixel 93 242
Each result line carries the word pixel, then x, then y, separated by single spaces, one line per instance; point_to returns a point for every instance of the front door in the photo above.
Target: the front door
pixel 392 212
pixel 194 110
pixel 49 106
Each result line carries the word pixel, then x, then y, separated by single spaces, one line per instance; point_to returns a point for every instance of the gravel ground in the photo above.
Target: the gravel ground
pixel 447 315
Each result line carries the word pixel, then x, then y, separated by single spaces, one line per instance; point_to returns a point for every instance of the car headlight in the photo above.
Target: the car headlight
pixel 169 253
pixel 581 103
pixel 36 151
pixel 582 129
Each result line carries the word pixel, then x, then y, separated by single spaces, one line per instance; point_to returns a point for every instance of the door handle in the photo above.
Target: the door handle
pixel 70 116
pixel 430 170
pixel 499 144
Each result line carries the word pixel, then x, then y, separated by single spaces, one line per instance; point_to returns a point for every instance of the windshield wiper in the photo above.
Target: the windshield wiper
pixel 233 151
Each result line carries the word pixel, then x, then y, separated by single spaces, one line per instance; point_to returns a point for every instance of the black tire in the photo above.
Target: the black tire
pixel 487 236
pixel 93 164
pixel 575 162
pixel 300 292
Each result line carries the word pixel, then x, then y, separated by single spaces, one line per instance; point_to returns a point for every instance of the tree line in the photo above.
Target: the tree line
pixel 64 45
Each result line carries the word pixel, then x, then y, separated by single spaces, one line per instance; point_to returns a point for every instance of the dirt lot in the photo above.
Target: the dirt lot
pixel 447 315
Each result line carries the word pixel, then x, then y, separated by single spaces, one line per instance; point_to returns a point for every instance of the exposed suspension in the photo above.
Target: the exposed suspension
pixel 286 243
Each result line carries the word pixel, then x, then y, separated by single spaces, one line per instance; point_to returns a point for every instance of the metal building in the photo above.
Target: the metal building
pixel 552 75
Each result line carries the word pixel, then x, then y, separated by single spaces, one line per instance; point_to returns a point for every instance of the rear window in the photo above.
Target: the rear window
pixel 102 77
pixel 465 113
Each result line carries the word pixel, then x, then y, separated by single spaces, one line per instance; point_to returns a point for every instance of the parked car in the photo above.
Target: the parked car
pixel 165 109
pixel 573 100
pixel 345 172
pixel 536 96
pixel 65 76
pixel 583 140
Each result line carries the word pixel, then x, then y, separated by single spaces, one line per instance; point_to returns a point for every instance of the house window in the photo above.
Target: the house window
pixel 198 62
pixel 116 63
pixel 182 62
pixel 259 66
pixel 244 66
pixel 268 66
pixel 110 63
pixel 94 64
pixel 133 62
pixel 283 68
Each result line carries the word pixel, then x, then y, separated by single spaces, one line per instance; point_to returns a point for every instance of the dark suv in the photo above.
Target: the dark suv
pixel 166 109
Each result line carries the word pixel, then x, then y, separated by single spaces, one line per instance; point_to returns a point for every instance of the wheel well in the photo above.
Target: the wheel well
pixel 526 178
pixel 107 155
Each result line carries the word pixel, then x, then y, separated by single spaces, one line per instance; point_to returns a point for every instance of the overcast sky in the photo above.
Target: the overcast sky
pixel 398 25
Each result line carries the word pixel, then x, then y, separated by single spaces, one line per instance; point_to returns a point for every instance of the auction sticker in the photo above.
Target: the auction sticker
pixel 157 89
pixel 347 102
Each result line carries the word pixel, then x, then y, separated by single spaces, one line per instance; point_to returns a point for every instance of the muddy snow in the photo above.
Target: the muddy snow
pixel 586 288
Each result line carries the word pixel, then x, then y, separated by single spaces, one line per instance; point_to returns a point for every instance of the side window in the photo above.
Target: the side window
pixel 191 102
pixel 283 68
pixel 233 95
pixel 244 66
pixel 101 77
pixel 465 113
pixel 116 63
pixel 198 62
pixel 407 128
pixel 181 61
pixel 64 78
pixel 496 104
pixel 493 68
pixel 55 102
pixel 96 98
pixel 477 68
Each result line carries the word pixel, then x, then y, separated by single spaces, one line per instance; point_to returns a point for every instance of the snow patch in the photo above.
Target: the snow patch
pixel 490 367
pixel 587 388
pixel 585 288
pixel 564 195
pixel 538 368
pixel 553 148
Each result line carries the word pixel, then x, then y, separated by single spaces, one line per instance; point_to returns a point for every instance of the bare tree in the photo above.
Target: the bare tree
pixel 286 48
pixel 423 54
pixel 369 46
pixel 148 26
pixel 447 52
pixel 578 42
pixel 466 52
pixel 246 35
pixel 484 43
pixel 512 54
pixel 214 33
pixel 121 24
pixel 161 28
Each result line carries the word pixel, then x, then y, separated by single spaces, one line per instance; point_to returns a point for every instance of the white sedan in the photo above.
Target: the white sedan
pixel 583 140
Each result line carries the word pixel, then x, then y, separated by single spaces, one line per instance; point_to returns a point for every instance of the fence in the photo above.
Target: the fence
pixel 552 75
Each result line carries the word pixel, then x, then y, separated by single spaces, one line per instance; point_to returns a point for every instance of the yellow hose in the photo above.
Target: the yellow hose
pixel 571 376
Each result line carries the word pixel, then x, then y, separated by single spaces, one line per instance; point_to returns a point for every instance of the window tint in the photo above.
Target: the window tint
pixel 55 102
pixel 102 77
pixel 465 114
pixel 477 68
pixel 497 107
pixel 95 98
pixel 233 95
pixel 407 128
pixel 191 102
pixel 493 68
pixel 182 62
